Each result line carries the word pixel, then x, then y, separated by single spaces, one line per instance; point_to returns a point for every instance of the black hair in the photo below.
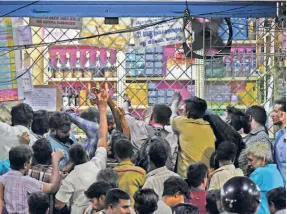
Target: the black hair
pixel 110 176
pixel 40 124
pixel 42 151
pixel 38 203
pixel 19 155
pixel 59 120
pixel 116 136
pixel 196 173
pixel 277 196
pixel 183 208
pixel 21 114
pixel 195 107
pixel 258 113
pixel 97 189
pixel 235 115
pixel 282 102
pixel 145 201
pixel 123 149
pixel 226 151
pixel 114 196
pixel 161 114
pixel 211 206
pixel 174 185
pixel 92 114
pixel 158 153
pixel 78 154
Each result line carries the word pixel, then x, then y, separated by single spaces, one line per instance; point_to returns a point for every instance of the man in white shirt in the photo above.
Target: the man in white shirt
pixel 84 174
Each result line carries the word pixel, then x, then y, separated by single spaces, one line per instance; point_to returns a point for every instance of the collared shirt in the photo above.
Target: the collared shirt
pixel 223 174
pixel 196 140
pixel 162 208
pixel 266 178
pixel 280 152
pixel 198 198
pixel 79 180
pixel 91 130
pixel 131 177
pixel 258 135
pixel 57 145
pixel 17 189
pixel 156 178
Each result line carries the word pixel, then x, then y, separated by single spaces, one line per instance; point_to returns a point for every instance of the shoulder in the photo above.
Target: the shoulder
pixel 134 169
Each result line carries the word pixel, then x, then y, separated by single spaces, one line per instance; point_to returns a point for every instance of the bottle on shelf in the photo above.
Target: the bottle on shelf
pixel 65 97
pixel 67 72
pixel 246 63
pixel 98 70
pixel 88 73
pixel 59 65
pixel 77 96
pixel 72 97
pixel 228 66
pixel 253 58
pixel 51 69
pixel 82 97
pixel 107 70
pixel 78 70
pixel 237 64
pixel 252 29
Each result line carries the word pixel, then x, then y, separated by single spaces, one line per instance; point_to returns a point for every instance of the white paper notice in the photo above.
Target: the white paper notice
pixel 56 22
pixel 42 98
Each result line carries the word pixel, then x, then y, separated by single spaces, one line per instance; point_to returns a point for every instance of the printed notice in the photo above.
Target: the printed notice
pixel 57 22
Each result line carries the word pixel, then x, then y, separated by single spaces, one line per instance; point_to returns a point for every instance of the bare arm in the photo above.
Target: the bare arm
pixel 176 98
pixel 113 107
pixel 103 132
pixel 125 125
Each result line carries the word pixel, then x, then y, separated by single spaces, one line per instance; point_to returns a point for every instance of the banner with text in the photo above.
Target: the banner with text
pixel 57 22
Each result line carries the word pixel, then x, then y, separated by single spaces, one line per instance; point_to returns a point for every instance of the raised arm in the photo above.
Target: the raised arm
pixel 176 98
pixel 103 131
pixel 120 112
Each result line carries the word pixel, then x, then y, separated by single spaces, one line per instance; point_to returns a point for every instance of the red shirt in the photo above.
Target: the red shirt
pixel 198 198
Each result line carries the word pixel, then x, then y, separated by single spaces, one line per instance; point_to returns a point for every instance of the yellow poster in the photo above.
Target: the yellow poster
pixel 96 26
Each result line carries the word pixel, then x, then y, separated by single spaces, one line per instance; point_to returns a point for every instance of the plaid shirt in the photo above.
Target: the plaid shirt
pixel 17 189
pixel 43 173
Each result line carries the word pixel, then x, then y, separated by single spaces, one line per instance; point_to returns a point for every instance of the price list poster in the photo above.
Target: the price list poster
pixel 8 89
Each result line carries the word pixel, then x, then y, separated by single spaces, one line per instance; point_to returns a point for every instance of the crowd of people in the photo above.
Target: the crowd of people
pixel 162 163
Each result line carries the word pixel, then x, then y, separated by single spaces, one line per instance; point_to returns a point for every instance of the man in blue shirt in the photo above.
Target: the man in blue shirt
pixel 279 118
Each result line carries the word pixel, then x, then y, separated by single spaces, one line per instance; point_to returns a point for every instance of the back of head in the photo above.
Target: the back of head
pixel 19 155
pixel 234 117
pixel 211 198
pixel 110 176
pixel 281 102
pixel 257 113
pixel 40 124
pixel 114 196
pixel 78 154
pixel 59 120
pixel 174 185
pixel 97 189
pixel 196 173
pixel 277 198
pixel 38 203
pixel 145 201
pixel 92 114
pixel 244 197
pixel 116 136
pixel 123 149
pixel 42 151
pixel 22 114
pixel 161 114
pixel 195 107
pixel 158 152
pixel 226 151
pixel 185 209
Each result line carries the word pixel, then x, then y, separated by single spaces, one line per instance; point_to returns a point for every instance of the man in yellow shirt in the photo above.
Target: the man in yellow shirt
pixel 196 138
pixel 131 177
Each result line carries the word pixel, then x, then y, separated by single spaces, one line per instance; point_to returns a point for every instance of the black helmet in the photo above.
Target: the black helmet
pixel 240 195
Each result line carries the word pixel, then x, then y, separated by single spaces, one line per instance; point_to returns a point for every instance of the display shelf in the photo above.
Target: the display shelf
pixel 246 42
pixel 232 79
pixel 94 79
pixel 223 106
pixel 157 79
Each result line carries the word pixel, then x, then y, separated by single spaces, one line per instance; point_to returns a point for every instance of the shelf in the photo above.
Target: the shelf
pixel 94 79
pixel 157 79
pixel 245 42
pixel 223 106
pixel 233 79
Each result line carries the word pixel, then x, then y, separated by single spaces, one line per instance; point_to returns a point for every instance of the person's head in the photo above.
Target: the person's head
pixel 111 123
pixel 117 201
pixel 234 117
pixel 20 158
pixel 115 136
pixel 240 195
pixel 145 201
pixel 91 114
pixel 197 175
pixel 175 190
pixel 40 124
pixel 185 209
pixel 276 199
pixel 259 155
pixel 96 194
pixel 278 114
pixel 110 176
pixel 42 152
pixel 22 114
pixel 158 153
pixel 195 108
pixel 77 154
pixel 254 116
pixel 60 126
pixel 123 149
pixel 211 202
pixel 161 114
pixel 226 152
pixel 38 203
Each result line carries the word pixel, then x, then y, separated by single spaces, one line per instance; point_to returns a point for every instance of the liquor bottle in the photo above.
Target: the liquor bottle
pixel 59 72
pixel 77 96
pixel 254 70
pixel 68 68
pixel 78 71
pixel 228 65
pixel 51 68
pixel 237 64
pixel 72 97
pixel 98 71
pixel 88 70
pixel 108 66
pixel 245 63
pixel 252 29
pixel 65 97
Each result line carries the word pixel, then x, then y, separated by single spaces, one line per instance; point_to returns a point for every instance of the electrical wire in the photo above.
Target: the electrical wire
pixel 24 6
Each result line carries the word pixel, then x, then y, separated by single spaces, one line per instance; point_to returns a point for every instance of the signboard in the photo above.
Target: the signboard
pixel 96 26
pixel 167 33
pixel 57 22
pixel 8 90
